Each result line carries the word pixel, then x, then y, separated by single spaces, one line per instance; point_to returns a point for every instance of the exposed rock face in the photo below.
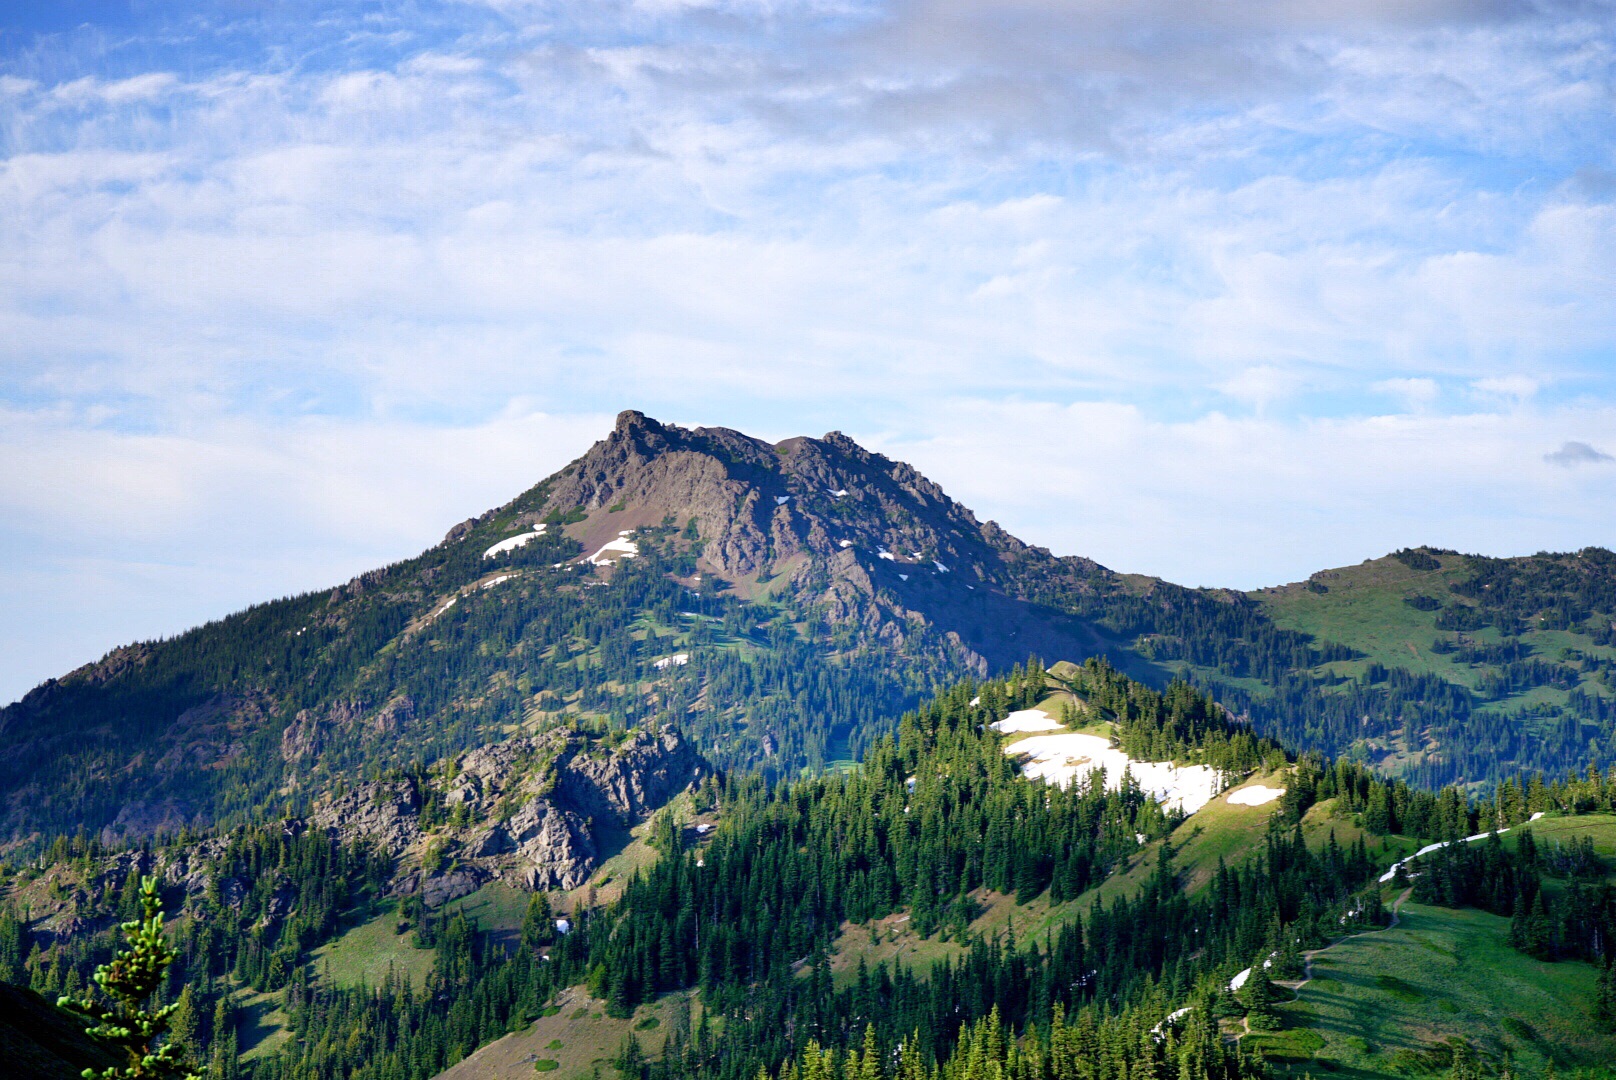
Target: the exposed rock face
pixel 536 808
pixel 554 846
pixel 306 735
pixel 634 779
pixel 872 542
pixel 388 814
pixel 147 818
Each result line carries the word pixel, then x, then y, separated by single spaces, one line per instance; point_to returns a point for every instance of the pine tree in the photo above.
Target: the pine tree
pixel 1605 999
pixel 630 1059
pixel 1260 997
pixel 538 924
pixel 131 979
pixel 1465 1065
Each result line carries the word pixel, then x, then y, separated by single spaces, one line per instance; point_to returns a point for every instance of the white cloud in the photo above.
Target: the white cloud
pixel 1516 387
pixel 1225 501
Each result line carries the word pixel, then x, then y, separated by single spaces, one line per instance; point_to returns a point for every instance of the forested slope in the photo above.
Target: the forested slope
pixel 1430 665
pixel 937 823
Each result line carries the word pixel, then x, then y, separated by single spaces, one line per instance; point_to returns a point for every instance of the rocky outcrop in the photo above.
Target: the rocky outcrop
pixel 531 810
pixel 638 776
pixel 147 818
pixel 386 813
pixel 308 732
pixel 551 846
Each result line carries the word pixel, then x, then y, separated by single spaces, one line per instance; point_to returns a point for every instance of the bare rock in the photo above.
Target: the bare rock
pixel 461 881
pixel 641 774
pixel 387 813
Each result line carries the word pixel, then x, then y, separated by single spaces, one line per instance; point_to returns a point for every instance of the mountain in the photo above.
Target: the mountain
pixel 774 601
pixel 779 603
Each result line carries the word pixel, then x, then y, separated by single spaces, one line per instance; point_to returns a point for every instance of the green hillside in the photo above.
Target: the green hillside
pixel 932 904
pixel 1526 644
pixel 1395 1003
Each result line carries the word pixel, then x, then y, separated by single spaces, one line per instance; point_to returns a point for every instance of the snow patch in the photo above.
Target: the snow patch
pixel 941 569
pixel 1061 759
pixel 781 500
pixel 1171 1018
pixel 975 702
pixel 846 543
pixel 1255 795
pixel 1239 980
pixel 678 659
pixel 905 577
pixel 1025 720
pixel 838 493
pixel 491 582
pixel 885 554
pixel 1428 848
pixel 621 547
pixel 514 542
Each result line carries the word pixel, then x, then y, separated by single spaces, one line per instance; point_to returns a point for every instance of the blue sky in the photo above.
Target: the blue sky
pixel 1226 293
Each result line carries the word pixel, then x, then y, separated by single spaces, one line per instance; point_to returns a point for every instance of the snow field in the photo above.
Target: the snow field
pixel 1061 759
pixel 514 542
pixel 622 547
pixel 1025 720
pixel 676 660
pixel 1255 795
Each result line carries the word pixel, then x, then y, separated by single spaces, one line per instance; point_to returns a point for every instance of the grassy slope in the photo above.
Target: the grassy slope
pixel 579 1037
pixel 1364 610
pixel 1600 828
pixel 365 953
pixel 1378 1000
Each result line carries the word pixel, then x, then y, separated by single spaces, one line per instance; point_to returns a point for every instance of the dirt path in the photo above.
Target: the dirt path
pixel 1307 971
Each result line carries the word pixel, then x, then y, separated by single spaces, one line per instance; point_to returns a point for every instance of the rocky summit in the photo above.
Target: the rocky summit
pixel 868 542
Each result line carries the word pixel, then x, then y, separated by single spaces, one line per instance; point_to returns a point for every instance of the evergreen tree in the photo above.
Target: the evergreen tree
pixel 1260 998
pixel 131 981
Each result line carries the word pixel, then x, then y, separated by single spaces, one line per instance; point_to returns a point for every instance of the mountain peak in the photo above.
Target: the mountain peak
pixel 826 521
